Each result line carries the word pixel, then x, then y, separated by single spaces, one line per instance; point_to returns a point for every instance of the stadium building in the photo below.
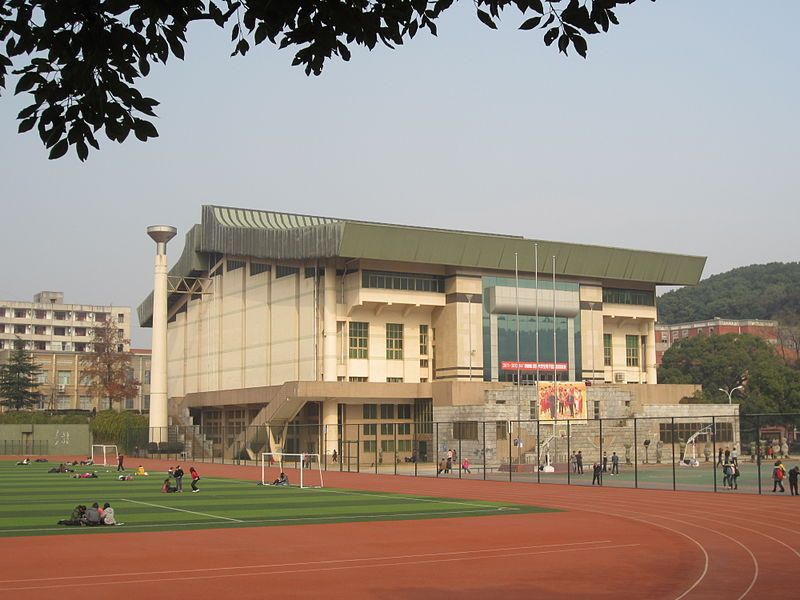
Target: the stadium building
pixel 277 319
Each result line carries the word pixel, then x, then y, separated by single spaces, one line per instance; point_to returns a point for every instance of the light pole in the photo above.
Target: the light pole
pixel 469 326
pixel 159 420
pixel 730 393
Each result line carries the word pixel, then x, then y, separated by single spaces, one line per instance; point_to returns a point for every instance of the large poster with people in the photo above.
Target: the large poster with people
pixel 562 400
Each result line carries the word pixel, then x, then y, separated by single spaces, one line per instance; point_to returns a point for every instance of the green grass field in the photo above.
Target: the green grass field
pixel 33 501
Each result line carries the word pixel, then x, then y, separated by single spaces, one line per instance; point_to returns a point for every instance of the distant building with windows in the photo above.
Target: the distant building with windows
pixel 59 335
pixel 288 320
pixel 49 324
pixel 666 335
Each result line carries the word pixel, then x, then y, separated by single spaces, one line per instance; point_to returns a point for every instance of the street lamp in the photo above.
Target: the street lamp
pixel 730 393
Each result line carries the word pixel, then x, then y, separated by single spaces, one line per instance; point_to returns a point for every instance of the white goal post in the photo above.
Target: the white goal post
pixel 104 455
pixel 306 469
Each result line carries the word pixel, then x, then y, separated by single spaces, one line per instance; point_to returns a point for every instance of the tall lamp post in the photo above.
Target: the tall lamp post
pixel 730 393
pixel 160 234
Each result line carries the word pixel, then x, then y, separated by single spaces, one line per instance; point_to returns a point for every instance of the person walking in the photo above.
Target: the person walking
pixel 778 475
pixel 719 457
pixel 614 464
pixel 734 456
pixel 449 461
pixel 579 459
pixel 793 473
pixel 334 455
pixel 120 459
pixel 597 474
pixel 574 462
pixel 465 465
pixel 726 476
pixel 178 475
pixel 442 467
pixel 605 462
pixel 735 475
pixel 195 479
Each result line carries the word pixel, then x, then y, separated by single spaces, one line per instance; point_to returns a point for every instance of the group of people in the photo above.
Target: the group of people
pixel 779 473
pixel 447 461
pixel 177 474
pixel 92 516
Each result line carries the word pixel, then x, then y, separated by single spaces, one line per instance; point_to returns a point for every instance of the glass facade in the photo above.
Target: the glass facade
pixel 567 334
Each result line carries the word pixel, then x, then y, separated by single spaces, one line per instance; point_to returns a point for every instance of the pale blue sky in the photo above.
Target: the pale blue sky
pixel 679 134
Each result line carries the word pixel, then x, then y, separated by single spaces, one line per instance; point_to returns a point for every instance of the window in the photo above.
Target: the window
pixel 394 341
pixel 233 265
pixel 311 271
pixel 80 316
pixel 387 411
pixel 465 430
pixel 257 268
pixel 41 314
pixel 63 403
pixel 128 403
pixel 41 377
pixel 387 428
pixel 284 271
pixel 80 347
pixel 404 429
pixel 608 356
pixel 146 402
pixel 423 340
pixel 632 350
pixel 403 411
pixel 20 313
pixel 146 377
pixel 369 429
pixel 636 297
pixel 39 346
pixel 85 403
pixel 59 331
pixel 501 430
pixel 358 379
pixel 369 411
pixel 63 377
pixel 80 331
pixel 423 363
pixel 394 380
pixel 370 445
pixel 404 445
pixel 39 330
pixel 402 281
pixel 596 409
pixel 120 317
pixel 359 338
pixel 387 445
pixel 19 329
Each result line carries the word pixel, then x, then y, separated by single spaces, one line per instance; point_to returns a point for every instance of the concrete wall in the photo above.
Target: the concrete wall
pixel 59 439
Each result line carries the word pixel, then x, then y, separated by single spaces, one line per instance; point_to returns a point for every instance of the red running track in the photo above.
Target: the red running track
pixel 609 543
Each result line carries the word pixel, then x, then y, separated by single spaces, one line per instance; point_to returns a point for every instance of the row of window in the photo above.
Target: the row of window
pixel 387 445
pixel 632 350
pixel 370 411
pixel 359 340
pixel 622 296
pixel 56 315
pixel 65 377
pixel 45 330
pixel 87 403
pixel 402 281
pixel 386 429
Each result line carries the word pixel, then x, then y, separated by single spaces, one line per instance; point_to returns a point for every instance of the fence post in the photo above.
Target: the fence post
pixel 436 448
pixel 415 450
pixel 484 449
pixel 378 451
pixel 674 483
pixel 714 446
pixel 510 465
pixel 358 449
pixel 538 454
pixel 458 460
pixel 758 450
pixel 396 425
pixel 635 454
pixel 603 461
pixel 569 455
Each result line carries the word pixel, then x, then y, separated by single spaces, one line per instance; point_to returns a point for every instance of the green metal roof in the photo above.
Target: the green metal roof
pixel 283 236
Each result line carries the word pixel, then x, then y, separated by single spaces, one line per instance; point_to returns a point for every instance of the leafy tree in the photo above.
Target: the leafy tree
pixel 18 386
pixel 80 61
pixel 727 361
pixel 108 366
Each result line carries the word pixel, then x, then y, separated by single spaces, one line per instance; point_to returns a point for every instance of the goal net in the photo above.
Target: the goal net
pixel 104 455
pixel 300 470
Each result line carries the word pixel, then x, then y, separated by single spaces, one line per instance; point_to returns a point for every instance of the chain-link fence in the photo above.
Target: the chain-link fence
pixel 716 453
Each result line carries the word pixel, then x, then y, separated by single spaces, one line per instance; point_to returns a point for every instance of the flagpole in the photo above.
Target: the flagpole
pixel 555 341
pixel 516 279
pixel 536 279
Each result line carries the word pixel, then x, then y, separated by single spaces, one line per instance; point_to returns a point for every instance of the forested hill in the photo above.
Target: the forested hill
pixel 770 291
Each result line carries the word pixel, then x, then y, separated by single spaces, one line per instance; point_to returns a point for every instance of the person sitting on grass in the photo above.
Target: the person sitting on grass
pixel 125 477
pixel 85 476
pixel 24 461
pixel 92 516
pixel 88 461
pixel 140 471
pixel 281 480
pixel 76 518
pixel 168 488
pixel 108 515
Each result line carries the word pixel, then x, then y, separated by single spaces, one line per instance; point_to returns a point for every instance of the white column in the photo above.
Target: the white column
pixel 330 429
pixel 158 369
pixel 650 352
pixel 329 325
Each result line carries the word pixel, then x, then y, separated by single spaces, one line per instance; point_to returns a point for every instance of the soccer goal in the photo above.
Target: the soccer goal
pixel 301 470
pixel 104 455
